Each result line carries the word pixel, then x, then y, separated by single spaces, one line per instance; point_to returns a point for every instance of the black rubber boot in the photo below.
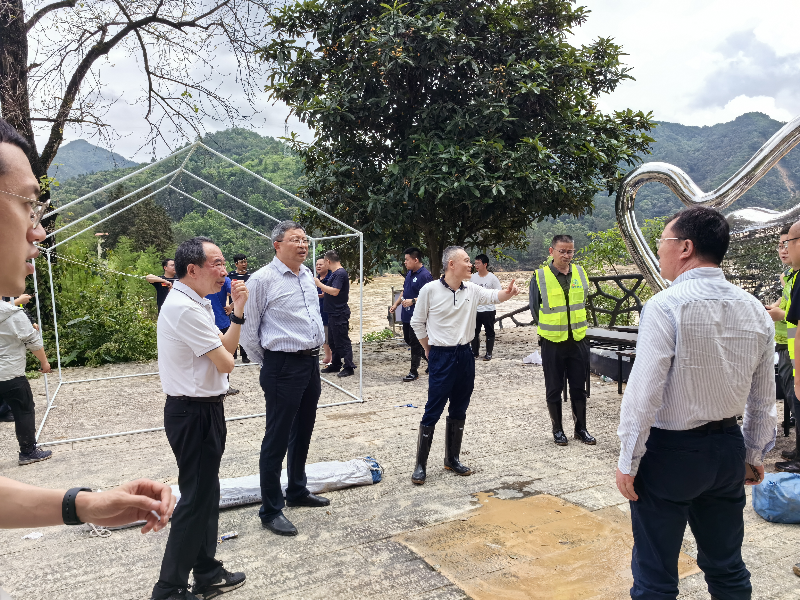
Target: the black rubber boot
pixel 476 346
pixel 792 466
pixel 579 414
pixel 554 408
pixel 489 346
pixel 424 441
pixel 453 433
pixel 413 374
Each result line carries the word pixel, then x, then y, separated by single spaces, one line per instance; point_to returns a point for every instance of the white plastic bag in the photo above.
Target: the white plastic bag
pixel 534 358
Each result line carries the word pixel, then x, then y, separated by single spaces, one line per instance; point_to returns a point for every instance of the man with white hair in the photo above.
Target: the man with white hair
pixel 444 322
pixel 283 334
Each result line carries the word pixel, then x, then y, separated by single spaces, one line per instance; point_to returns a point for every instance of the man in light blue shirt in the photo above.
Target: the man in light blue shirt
pixel 704 355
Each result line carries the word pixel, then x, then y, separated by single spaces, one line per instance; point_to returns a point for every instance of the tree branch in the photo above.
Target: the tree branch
pixel 37 16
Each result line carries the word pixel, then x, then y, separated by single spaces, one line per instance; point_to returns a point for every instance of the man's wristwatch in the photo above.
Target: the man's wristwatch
pixel 68 511
pixel 236 320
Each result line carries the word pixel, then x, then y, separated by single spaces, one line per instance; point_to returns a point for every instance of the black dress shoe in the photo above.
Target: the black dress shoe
pixel 310 500
pixel 787 454
pixel 330 369
pixel 225 582
pixel 280 525
pixel 559 438
pixel 487 357
pixel 346 372
pixel 411 377
pixel 585 437
pixel 7 417
pixel 788 467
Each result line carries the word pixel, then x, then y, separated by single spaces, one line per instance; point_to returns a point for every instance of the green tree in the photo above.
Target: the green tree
pixel 449 121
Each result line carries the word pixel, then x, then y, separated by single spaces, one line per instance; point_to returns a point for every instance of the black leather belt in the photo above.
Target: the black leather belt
pixel 219 398
pixel 723 424
pixel 311 352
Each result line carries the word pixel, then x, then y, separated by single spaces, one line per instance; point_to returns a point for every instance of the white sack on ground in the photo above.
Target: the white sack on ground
pixel 534 358
pixel 322 477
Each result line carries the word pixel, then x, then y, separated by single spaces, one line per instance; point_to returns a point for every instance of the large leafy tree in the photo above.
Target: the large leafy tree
pixel 450 121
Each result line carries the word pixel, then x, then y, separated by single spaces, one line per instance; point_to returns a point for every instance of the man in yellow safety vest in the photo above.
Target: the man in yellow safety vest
pixel 785 332
pixel 558 295
pixel 792 314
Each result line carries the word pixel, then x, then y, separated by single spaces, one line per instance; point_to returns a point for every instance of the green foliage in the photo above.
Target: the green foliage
pixel 146 224
pixel 450 122
pixel 379 336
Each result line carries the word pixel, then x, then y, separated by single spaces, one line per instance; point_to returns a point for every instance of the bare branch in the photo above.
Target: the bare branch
pixel 46 9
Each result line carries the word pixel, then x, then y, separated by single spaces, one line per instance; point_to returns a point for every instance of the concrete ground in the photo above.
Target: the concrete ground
pixel 348 551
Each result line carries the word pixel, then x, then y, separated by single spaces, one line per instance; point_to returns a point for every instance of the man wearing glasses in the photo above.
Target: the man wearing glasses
pixel 558 295
pixel 27 506
pixel 283 334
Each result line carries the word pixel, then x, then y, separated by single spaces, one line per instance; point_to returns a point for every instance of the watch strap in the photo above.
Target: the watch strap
pixel 236 320
pixel 68 511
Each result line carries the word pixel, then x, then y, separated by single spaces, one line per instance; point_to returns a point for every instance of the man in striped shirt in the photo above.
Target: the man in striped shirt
pixel 704 355
pixel 283 333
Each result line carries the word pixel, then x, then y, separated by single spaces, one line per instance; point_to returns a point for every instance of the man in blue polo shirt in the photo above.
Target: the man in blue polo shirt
pixel 218 302
pixel 417 276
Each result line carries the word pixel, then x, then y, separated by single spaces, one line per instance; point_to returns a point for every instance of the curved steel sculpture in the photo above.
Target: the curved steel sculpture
pixel 747 219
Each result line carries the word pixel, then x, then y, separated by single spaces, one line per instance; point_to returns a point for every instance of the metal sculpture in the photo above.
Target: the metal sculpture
pixel 741 221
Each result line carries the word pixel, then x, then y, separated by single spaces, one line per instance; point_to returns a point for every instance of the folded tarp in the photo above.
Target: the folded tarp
pixel 322 477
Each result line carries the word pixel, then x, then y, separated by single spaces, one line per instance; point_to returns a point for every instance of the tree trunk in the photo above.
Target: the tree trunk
pixel 14 101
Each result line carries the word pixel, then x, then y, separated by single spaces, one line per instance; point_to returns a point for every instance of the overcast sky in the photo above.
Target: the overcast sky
pixel 696 62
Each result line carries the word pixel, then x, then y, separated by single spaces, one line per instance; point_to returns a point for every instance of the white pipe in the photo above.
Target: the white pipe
pixel 247 204
pixel 39 320
pixel 104 219
pixel 361 317
pixel 336 237
pixel 341 389
pixel 268 182
pixel 55 317
pixel 108 378
pixel 262 234
pixel 120 180
pixel 47 412
pixel 109 205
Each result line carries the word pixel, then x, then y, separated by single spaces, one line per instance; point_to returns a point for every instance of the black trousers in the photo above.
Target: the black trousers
pixel 787 380
pixel 695 477
pixel 339 341
pixel 196 432
pixel 410 338
pixel 19 397
pixel 560 358
pixel 484 319
pixel 291 387
pixel 452 377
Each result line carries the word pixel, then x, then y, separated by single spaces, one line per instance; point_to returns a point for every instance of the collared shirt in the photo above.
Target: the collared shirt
pixel 320 293
pixel 336 306
pixel 282 312
pixel 218 301
pixel 186 333
pixel 446 316
pixel 16 336
pixel 415 281
pixel 704 353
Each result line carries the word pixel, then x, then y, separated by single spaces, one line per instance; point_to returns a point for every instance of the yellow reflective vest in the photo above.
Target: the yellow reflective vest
pixel 553 311
pixel 791 330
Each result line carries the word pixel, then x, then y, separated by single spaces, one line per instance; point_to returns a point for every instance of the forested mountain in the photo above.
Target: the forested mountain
pixel 79 157
pixel 710 155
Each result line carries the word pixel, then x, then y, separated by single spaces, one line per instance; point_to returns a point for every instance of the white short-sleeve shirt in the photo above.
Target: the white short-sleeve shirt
pixel 186 333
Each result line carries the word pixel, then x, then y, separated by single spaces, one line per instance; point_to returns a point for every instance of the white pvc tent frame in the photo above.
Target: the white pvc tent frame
pixel 171 177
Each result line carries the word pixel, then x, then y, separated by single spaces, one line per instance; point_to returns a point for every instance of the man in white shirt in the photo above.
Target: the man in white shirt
pixel 486 312
pixel 194 359
pixel 444 323
pixel 283 334
pixel 704 355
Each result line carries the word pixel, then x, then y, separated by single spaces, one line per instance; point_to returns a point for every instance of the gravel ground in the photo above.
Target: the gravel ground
pixel 350 550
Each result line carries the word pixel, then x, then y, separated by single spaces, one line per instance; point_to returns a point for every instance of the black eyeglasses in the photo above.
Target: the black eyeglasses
pixel 37 207
pixel 785 243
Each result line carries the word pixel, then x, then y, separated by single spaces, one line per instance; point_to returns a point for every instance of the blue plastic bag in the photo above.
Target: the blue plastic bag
pixel 777 498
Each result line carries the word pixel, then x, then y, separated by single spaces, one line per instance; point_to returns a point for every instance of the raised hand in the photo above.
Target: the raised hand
pixel 239 294
pixel 509 292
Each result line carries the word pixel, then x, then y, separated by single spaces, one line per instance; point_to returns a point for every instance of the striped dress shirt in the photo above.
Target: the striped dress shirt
pixel 282 312
pixel 705 352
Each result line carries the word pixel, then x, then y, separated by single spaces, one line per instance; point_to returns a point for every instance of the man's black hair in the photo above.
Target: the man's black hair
pixel 785 229
pixel 414 253
pixel 706 228
pixel 483 258
pixel 332 255
pixel 561 237
pixel 9 135
pixel 190 252
pixel 238 257
pixel 165 262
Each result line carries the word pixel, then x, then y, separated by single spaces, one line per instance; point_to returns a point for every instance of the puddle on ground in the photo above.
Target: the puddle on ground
pixel 537 547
